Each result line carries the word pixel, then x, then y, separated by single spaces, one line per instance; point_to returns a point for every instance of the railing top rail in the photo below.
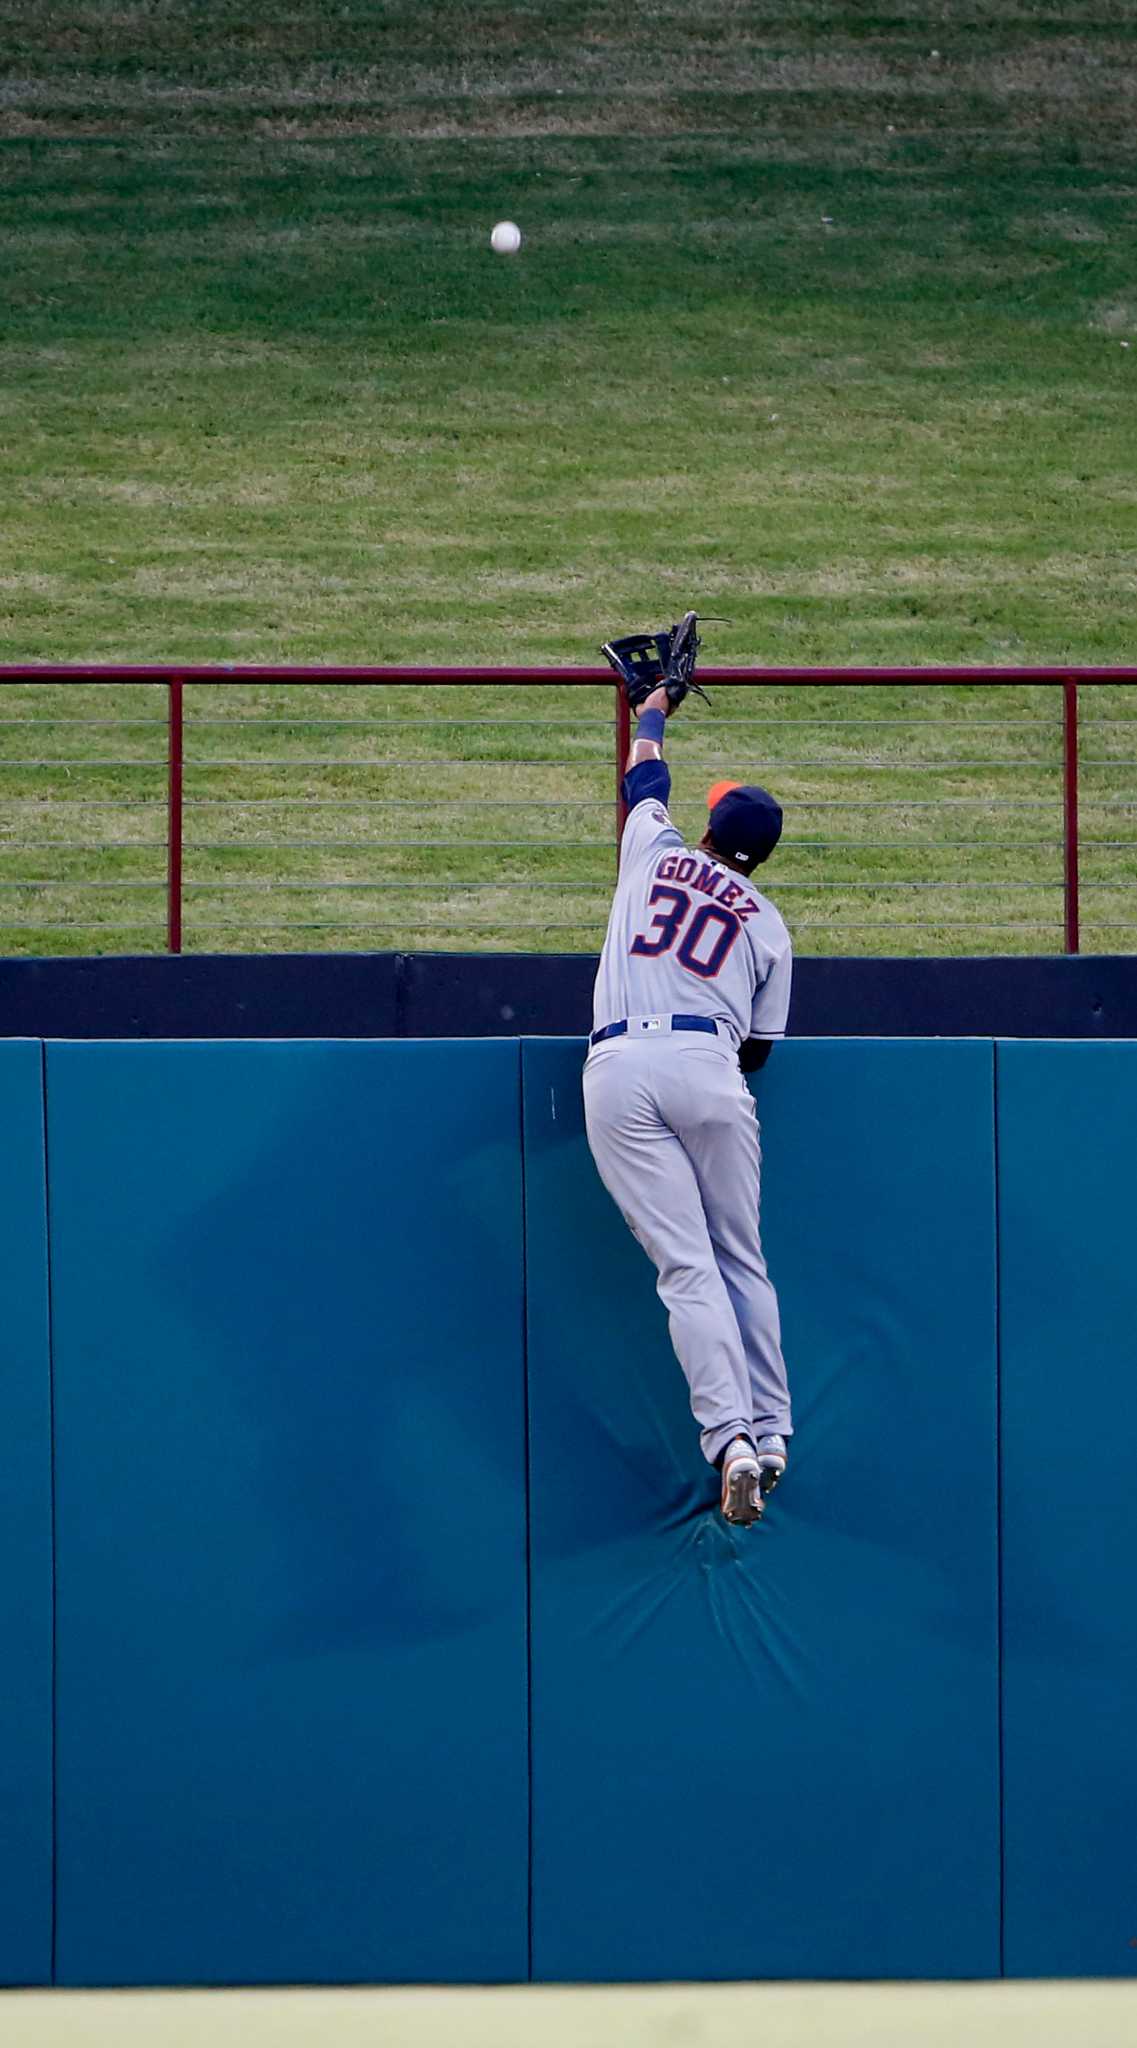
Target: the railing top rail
pixel 104 672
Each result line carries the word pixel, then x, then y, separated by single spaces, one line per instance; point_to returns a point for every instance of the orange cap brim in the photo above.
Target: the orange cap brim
pixel 717 790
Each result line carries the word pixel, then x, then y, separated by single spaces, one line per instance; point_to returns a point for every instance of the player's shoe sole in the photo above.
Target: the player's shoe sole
pixel 742 1501
pixel 771 1465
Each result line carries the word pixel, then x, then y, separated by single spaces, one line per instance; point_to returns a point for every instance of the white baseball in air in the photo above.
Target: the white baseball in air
pixel 506 238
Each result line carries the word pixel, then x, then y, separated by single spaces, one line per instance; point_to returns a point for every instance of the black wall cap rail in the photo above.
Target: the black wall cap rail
pixel 491 995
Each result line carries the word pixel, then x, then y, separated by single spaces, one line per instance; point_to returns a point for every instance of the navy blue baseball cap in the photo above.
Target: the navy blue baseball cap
pixel 744 821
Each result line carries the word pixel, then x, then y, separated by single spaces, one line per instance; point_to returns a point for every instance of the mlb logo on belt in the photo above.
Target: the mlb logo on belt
pixel 652 1023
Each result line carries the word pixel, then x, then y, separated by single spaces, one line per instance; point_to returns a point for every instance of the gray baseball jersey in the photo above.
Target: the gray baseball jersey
pixel 688 934
pixel 671 1123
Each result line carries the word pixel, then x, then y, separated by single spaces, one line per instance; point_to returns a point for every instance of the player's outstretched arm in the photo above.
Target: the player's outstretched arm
pixel 647 740
pixel 646 775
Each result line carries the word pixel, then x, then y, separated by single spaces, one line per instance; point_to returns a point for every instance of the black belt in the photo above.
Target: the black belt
pixel 676 1023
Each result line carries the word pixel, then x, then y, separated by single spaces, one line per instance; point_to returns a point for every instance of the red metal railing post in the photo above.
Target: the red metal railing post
pixel 623 743
pixel 1070 808
pixel 175 759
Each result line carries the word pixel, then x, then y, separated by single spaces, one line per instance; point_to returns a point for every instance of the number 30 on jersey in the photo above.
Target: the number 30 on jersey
pixel 704 941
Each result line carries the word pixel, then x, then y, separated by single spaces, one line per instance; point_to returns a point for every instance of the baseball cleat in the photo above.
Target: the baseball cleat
pixel 771 1464
pixel 741 1478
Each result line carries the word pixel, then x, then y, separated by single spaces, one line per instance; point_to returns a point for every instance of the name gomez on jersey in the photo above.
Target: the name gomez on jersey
pixel 688 934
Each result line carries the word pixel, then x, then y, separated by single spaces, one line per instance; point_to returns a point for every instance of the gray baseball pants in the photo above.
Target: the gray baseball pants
pixel 674 1133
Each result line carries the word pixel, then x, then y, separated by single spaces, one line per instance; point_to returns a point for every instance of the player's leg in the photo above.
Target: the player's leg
pixel 718 1125
pixel 652 1181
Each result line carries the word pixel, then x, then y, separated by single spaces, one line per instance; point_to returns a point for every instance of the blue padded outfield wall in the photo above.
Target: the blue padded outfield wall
pixel 773 1753
pixel 290 1473
pixel 25 1526
pixel 396 1636
pixel 1067 1214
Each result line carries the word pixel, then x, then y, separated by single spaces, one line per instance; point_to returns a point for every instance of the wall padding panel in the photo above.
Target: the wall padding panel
pixel 291 1542
pixel 773 1753
pixel 25 1526
pixel 1068 1310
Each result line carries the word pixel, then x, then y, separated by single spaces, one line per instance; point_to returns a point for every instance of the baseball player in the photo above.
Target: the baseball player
pixel 693 988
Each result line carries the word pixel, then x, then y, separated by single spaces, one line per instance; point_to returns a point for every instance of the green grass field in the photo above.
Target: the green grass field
pixel 826 318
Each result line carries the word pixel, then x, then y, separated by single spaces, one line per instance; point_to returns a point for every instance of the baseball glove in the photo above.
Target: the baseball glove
pixel 644 661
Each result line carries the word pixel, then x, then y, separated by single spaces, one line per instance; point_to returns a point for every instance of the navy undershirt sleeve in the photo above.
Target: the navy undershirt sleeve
pixel 647 779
